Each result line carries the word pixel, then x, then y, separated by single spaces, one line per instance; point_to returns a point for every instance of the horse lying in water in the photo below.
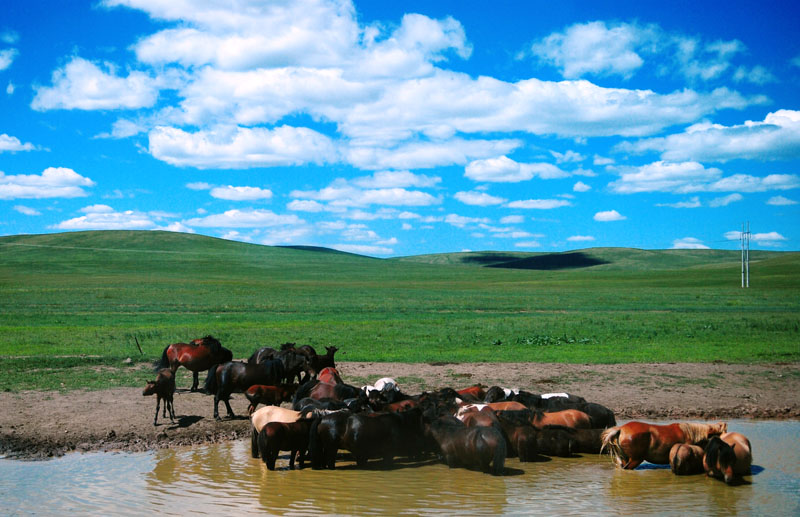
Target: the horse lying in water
pixel 728 457
pixel 631 444
pixel 685 459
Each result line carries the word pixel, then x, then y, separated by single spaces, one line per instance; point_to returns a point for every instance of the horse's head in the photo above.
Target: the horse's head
pixel 720 459
pixel 150 389
pixel 331 350
pixel 718 428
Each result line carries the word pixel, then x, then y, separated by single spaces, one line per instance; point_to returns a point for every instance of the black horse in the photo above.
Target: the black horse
pixel 295 363
pixel 236 376
pixel 325 438
pixel 482 448
pixel 384 435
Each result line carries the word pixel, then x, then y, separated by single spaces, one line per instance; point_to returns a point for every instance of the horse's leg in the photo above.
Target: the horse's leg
pixel 158 403
pixel 195 381
pixel 171 409
pixel 228 406
pixel 632 464
pixel 216 407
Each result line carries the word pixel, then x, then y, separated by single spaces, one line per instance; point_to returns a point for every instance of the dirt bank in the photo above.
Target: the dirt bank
pixel 37 425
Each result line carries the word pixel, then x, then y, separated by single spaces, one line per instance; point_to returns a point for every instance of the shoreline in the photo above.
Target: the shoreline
pixel 43 425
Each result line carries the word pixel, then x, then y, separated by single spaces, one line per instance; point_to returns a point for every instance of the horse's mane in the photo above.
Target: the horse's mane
pixel 212 343
pixel 516 416
pixel 696 433
pixel 288 346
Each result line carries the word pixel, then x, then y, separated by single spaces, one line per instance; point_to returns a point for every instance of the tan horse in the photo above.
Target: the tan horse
pixel 685 459
pixel 631 444
pixel 265 415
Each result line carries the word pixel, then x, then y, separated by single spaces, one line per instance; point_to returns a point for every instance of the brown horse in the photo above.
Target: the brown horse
pixel 474 393
pixel 631 444
pixel 196 356
pixel 265 415
pixel 567 418
pixel 330 375
pixel 728 457
pixel 685 459
pixel 269 395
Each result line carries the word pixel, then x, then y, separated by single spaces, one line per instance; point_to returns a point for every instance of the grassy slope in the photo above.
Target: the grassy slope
pixel 90 293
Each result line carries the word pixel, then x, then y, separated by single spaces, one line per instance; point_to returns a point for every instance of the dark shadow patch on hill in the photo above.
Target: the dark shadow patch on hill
pixel 548 262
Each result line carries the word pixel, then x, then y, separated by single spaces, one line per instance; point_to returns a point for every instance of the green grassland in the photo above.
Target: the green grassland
pixel 72 304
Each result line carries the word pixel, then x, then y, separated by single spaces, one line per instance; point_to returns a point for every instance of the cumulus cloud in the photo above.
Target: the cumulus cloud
pixel 686 177
pixel 343 193
pixel 594 48
pixel 390 179
pixel 609 216
pixel 239 147
pixel 83 85
pixel 762 239
pixel 505 170
pixel 478 198
pixel 777 137
pixel 580 238
pixel 692 203
pixel 248 218
pixel 13 144
pixel 781 201
pixel 232 193
pixel 688 243
pixel 54 182
pixel 581 187
pixel 103 217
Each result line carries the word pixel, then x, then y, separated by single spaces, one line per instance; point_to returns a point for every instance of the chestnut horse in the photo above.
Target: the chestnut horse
pixel 330 375
pixel 567 418
pixel 269 395
pixel 685 459
pixel 265 415
pixel 728 457
pixel 198 355
pixel 631 444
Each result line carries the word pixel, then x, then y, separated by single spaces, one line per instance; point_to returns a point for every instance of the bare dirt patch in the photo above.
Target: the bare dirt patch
pixel 38 425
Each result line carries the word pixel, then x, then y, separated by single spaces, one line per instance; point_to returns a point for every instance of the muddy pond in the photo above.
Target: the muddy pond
pixel 222 479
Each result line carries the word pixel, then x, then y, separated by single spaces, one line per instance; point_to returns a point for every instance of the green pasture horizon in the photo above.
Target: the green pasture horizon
pixel 81 301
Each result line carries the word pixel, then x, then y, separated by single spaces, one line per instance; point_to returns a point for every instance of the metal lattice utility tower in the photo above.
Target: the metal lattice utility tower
pixel 745 239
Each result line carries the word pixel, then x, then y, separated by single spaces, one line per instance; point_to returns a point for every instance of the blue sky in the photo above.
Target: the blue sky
pixel 402 128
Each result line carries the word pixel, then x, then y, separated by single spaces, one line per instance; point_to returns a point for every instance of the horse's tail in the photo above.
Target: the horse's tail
pixel 210 384
pixel 315 452
pixel 500 453
pixel 163 362
pixel 610 441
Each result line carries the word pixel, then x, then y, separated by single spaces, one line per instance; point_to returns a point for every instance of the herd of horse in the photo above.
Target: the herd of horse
pixel 477 427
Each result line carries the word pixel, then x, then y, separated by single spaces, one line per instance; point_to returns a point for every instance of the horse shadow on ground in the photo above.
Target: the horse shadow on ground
pixel 185 421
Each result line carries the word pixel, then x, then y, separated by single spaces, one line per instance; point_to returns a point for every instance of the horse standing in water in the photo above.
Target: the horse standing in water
pixel 196 356
pixel 631 444
pixel 728 457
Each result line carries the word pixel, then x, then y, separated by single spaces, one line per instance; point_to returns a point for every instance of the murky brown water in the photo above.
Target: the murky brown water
pixel 222 479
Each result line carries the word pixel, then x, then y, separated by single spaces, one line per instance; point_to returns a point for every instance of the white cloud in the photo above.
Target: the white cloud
pixel 83 85
pixel 504 169
pixel 781 201
pixel 608 216
pixel 103 217
pixel 527 244
pixel 305 206
pixel 199 185
pixel 580 238
pixel 239 148
pixel 567 157
pixel 777 137
pixel 7 57
pixel 342 193
pixel 461 221
pixel 768 239
pixel 10 88
pixel 688 243
pixel 593 48
pixel 725 200
pixel 478 198
pixel 581 187
pixel 52 183
pixel 692 203
pixel 248 218
pixel 428 154
pixel 26 210
pixel 13 144
pixel 513 219
pixel 686 177
pixel 539 204
pixel 389 179
pixel 232 193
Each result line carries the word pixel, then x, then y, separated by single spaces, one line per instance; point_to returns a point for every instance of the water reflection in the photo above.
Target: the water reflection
pixel 222 479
